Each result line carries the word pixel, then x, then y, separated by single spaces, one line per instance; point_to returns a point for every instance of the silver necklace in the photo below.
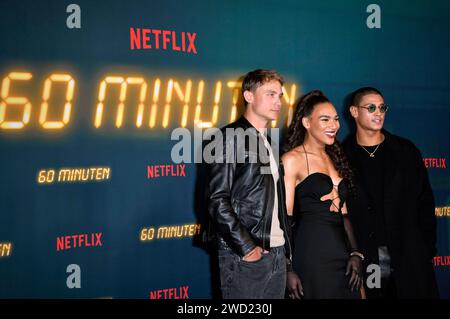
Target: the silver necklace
pixel 372 154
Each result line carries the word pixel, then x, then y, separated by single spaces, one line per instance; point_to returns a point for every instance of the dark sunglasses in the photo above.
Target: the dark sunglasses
pixel 372 107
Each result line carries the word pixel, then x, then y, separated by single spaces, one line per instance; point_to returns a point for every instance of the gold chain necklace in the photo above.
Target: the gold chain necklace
pixel 372 154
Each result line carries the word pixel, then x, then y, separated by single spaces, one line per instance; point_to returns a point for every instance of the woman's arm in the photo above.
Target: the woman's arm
pixel 290 180
pixel 354 264
pixel 293 283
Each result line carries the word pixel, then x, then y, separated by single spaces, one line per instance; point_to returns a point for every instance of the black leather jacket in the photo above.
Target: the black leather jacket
pixel 241 198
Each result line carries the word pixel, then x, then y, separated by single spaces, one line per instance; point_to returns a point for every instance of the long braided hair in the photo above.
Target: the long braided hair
pixel 297 132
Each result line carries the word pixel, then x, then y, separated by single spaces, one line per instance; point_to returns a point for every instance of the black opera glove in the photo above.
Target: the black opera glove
pixel 294 285
pixel 354 268
pixel 293 282
pixel 291 220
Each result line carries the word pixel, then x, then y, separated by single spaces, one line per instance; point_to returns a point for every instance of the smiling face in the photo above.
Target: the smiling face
pixel 323 123
pixel 365 120
pixel 264 104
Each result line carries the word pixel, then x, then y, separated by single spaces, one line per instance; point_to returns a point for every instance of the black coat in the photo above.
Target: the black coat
pixel 409 217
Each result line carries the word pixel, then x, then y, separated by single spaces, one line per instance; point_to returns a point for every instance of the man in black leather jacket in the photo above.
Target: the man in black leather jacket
pixel 246 197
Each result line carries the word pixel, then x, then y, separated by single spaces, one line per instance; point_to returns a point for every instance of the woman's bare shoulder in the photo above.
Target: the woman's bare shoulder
pixel 293 158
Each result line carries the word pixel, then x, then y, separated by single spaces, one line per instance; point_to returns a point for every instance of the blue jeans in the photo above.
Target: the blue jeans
pixel 263 279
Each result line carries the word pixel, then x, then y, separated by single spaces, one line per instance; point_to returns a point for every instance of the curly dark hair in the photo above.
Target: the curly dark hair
pixel 297 132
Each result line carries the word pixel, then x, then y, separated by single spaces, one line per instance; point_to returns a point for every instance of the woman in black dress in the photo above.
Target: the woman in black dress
pixel 326 262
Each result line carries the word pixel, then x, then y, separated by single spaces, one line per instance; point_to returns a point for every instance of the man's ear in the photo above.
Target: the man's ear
pixel 354 111
pixel 248 96
pixel 305 122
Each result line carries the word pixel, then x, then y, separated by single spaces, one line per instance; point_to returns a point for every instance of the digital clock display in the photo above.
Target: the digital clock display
pixel 156 100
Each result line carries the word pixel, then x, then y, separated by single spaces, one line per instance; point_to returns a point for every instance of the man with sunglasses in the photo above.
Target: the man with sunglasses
pixel 392 210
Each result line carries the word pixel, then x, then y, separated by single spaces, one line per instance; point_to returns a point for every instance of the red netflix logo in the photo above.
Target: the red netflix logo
pixel 170 293
pixel 435 162
pixel 165 39
pixel 155 171
pixel 77 241
pixel 441 261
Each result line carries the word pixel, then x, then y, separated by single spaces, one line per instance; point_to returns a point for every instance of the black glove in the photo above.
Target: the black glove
pixel 294 285
pixel 354 268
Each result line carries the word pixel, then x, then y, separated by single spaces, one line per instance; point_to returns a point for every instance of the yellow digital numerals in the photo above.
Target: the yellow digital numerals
pixel 73 175
pixel 157 110
pixel 176 231
pixel 9 101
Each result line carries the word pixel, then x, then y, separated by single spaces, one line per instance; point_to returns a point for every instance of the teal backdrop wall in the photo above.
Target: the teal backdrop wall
pixel 51 84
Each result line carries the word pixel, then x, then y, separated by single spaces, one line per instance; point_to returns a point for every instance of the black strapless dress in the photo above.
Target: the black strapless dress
pixel 320 242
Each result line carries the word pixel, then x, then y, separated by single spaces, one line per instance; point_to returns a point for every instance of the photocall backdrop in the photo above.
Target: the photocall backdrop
pixel 92 204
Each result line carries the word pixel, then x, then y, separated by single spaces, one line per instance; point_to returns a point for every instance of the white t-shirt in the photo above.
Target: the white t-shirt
pixel 276 233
